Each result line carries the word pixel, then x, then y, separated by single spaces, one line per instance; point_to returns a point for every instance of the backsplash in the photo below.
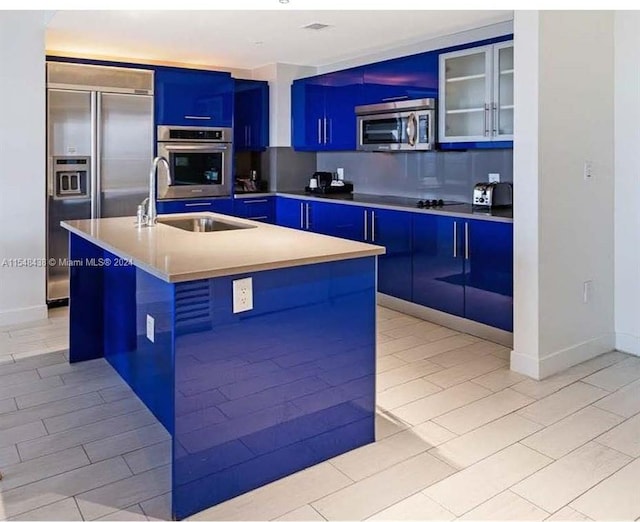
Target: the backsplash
pixel 425 175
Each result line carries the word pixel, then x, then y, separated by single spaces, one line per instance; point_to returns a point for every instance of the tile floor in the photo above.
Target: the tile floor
pixel 459 436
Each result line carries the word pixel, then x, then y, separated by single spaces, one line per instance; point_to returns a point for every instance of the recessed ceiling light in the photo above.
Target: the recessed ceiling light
pixel 284 1
pixel 316 26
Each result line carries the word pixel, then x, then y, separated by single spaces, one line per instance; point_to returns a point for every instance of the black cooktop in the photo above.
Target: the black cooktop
pixel 435 203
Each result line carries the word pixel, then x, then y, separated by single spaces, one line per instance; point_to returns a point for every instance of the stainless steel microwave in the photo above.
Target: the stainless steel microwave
pixel 397 126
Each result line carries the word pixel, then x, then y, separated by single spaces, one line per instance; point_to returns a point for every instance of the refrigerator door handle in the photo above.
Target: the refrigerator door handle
pixel 95 163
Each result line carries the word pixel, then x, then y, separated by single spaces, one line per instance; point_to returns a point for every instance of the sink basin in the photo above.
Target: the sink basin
pixel 202 224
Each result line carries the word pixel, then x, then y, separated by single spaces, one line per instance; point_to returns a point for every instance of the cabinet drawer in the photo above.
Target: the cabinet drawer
pixel 223 206
pixel 257 209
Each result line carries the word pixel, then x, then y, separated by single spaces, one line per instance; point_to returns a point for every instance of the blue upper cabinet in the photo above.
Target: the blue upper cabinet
pixel 406 78
pixel 251 115
pixel 323 111
pixel 193 97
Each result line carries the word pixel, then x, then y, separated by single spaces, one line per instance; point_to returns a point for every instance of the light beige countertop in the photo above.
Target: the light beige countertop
pixel 176 255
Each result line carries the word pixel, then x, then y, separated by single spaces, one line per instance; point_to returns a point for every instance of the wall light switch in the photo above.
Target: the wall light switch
pixel 494 177
pixel 151 328
pixel 340 173
pixel 242 295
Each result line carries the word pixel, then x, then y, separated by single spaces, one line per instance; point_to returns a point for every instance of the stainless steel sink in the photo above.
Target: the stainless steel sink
pixel 201 224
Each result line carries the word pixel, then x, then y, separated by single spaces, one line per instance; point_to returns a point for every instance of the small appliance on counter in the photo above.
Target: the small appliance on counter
pixel 253 183
pixel 493 195
pixel 325 183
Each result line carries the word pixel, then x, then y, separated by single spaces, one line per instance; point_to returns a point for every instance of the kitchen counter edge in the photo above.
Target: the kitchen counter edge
pixel 331 252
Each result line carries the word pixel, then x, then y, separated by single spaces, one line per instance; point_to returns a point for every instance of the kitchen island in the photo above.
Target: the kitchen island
pixel 247 397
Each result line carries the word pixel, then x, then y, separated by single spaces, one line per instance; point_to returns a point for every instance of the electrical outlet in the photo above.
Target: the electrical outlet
pixel 588 170
pixel 151 328
pixel 494 177
pixel 587 291
pixel 242 295
pixel 340 173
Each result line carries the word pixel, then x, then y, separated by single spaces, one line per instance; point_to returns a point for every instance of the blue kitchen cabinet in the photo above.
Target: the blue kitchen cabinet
pixel 392 230
pixel 257 209
pixel 307 114
pixel 323 111
pixel 408 77
pixel 338 220
pixel 171 206
pixel 489 273
pixel 291 212
pixel 251 115
pixel 193 97
pixel 438 263
pixel 464 267
pixel 322 217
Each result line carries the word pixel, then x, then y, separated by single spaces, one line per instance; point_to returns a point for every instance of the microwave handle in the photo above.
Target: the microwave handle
pixel 411 129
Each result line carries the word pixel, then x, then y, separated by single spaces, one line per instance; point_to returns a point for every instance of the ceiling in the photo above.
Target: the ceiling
pixel 249 39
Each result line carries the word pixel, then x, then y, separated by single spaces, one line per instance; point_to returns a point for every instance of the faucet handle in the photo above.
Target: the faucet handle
pixel 141 217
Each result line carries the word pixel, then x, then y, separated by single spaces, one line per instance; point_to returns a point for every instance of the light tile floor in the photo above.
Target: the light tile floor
pixel 459 436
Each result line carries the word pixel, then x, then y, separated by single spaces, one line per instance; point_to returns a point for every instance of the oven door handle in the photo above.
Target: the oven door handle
pixel 195 148
pixel 412 129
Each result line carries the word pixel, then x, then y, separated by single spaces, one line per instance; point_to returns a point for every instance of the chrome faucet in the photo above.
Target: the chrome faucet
pixel 147 214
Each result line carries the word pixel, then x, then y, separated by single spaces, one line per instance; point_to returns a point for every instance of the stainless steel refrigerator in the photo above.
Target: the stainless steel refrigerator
pixel 99 150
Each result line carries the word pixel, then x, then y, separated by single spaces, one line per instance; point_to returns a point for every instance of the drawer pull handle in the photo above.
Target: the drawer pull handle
pixel 197 204
pixel 249 201
pixel 395 98
pixel 197 117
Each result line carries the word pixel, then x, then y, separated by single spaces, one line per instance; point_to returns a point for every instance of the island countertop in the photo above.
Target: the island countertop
pixel 176 255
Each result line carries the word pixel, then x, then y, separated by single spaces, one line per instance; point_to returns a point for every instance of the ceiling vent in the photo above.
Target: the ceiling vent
pixel 316 26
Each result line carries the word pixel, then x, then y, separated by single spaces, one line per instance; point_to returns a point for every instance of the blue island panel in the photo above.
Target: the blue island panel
pixel 268 392
pixel 248 398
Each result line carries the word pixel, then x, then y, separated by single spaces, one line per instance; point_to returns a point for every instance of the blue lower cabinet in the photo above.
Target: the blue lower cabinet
pixel 438 263
pixel 257 209
pixel 338 220
pixel 464 267
pixel 392 230
pixel 291 212
pixel 489 273
pixel 175 206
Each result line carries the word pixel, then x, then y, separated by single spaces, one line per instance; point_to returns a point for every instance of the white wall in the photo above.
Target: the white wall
pixel 627 184
pixel 525 198
pixel 22 164
pixel 574 218
pixel 280 76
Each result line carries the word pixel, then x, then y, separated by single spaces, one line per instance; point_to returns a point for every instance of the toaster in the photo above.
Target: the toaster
pixel 496 194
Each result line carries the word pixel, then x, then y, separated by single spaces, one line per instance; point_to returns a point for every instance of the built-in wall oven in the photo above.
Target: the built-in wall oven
pixel 397 126
pixel 200 158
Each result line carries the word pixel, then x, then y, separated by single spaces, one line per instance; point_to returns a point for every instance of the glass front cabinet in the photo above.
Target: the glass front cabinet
pixel 476 94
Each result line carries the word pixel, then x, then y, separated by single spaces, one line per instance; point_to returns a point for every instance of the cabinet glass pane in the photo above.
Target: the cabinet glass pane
pixel 465 124
pixel 465 95
pixel 505 90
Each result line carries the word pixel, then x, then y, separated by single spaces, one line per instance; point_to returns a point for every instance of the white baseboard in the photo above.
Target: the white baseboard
pixel 23 315
pixel 563 359
pixel 576 354
pixel 628 343
pixel 450 321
